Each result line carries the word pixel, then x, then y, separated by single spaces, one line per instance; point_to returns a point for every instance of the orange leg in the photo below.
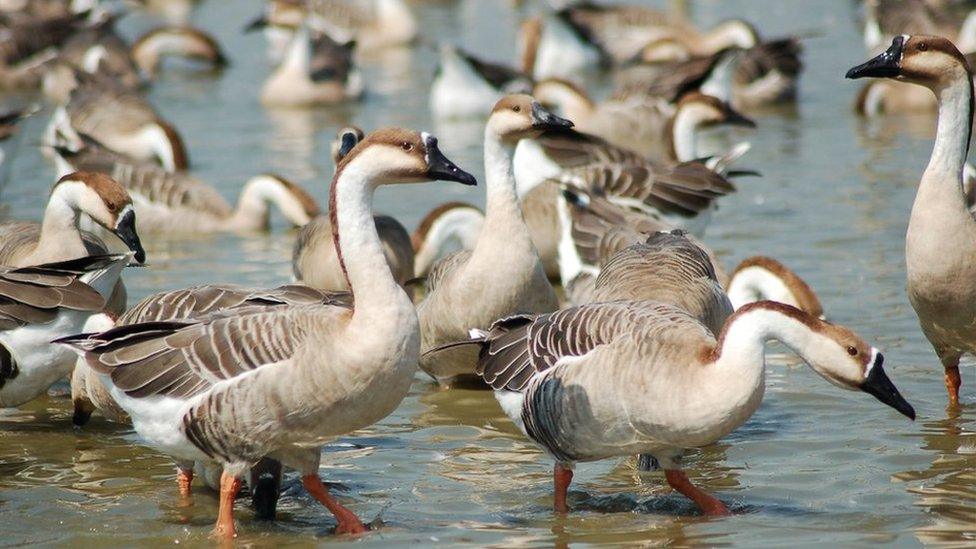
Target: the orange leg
pixel 348 521
pixel 184 477
pixel 229 486
pixel 709 504
pixel 561 477
pixel 953 381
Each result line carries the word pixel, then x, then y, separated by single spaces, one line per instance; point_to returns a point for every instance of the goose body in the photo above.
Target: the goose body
pixel 316 372
pixel 940 246
pixel 177 203
pixel 649 378
pixel 502 274
pixel 41 303
pixel 465 86
pixel 316 70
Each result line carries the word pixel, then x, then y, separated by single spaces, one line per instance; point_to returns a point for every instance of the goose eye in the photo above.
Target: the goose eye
pixel 407 146
pixel 517 108
pixel 112 207
pixel 923 46
pixel 852 350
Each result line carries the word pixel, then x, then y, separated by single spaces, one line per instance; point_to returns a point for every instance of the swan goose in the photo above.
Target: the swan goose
pixel 642 377
pixel 314 260
pixel 465 86
pixel 940 245
pixel 447 228
pixel 502 274
pixel 149 50
pixel 41 303
pixel 299 375
pixel 177 203
pixel 119 118
pixel 316 70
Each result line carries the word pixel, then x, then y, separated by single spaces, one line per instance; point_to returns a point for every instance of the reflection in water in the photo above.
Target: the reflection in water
pixel 292 140
pixel 946 490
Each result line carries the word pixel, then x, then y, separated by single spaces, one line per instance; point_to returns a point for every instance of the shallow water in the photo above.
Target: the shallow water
pixel 814 465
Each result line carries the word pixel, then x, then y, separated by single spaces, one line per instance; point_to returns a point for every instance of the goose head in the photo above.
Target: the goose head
pixel 520 116
pixel 294 202
pixel 930 61
pixel 106 202
pixel 346 138
pixel 398 155
pixel 708 110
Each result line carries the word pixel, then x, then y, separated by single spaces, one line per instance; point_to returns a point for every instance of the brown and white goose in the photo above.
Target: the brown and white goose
pixel 314 260
pixel 237 386
pixel 316 70
pixel 642 377
pixel 940 247
pixel 652 127
pixel 119 118
pixel 41 303
pixel 502 274
pixel 178 203
pixel 153 47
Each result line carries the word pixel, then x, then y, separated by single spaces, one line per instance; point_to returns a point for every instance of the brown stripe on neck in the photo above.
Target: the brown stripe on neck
pixel 420 235
pixel 180 159
pixel 334 221
pixel 802 291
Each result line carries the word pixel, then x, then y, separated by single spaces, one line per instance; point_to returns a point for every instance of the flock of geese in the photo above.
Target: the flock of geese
pixel 650 347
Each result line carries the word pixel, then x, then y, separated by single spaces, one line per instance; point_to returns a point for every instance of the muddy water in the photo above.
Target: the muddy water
pixel 814 465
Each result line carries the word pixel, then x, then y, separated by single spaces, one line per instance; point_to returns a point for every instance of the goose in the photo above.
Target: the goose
pixel 654 128
pixel 317 70
pixel 941 240
pixel 177 203
pixel 299 375
pixel 29 43
pixel 881 97
pixel 187 42
pixel 760 278
pixel 447 228
pixel 99 48
pixel 502 273
pixel 465 86
pixel 121 119
pixel 314 259
pixel 627 377
pixel 43 302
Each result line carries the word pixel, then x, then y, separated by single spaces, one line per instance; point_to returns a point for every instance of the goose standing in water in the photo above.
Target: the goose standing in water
pixel 314 260
pixel 940 247
pixel 317 70
pixel 41 303
pixel 642 377
pixel 502 274
pixel 235 387
pixel 178 203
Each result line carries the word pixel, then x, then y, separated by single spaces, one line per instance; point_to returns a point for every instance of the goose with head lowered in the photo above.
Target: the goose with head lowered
pixel 940 247
pixel 178 203
pixel 642 377
pixel 240 385
pixel 502 274
pixel 316 70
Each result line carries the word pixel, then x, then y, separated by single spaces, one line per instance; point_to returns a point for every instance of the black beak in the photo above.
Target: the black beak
pixel 545 120
pixel 440 168
pixel 883 389
pixel 257 23
pixel 886 65
pixel 125 229
pixel 347 142
pixel 736 118
pixel 64 152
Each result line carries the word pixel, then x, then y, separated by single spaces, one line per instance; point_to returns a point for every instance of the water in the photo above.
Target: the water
pixel 814 465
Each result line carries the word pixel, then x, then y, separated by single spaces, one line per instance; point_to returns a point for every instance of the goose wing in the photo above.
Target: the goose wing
pixel 181 359
pixel 517 348
pixel 444 268
pixel 173 190
pixel 30 295
pixel 572 149
pixel 781 55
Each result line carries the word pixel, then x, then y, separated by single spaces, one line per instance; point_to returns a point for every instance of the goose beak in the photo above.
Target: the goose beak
pixel 544 120
pixel 257 23
pixel 125 229
pixel 878 385
pixel 886 65
pixel 347 142
pixel 736 118
pixel 439 168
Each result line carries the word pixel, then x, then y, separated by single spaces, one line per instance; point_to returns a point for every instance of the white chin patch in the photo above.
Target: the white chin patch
pixel 872 362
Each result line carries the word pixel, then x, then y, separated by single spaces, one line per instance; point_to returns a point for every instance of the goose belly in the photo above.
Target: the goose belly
pixel 159 422
pixel 562 55
pixel 39 363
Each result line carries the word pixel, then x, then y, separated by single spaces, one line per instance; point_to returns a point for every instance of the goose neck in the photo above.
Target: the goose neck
pixel 501 203
pixel 366 271
pixel 741 344
pixel 683 131
pixel 954 130
pixel 253 212
pixel 59 228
